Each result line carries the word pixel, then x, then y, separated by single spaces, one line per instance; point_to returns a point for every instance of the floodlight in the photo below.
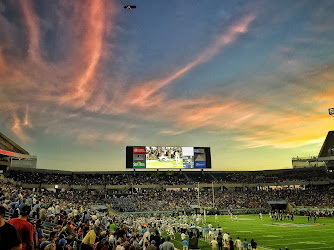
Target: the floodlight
pixel 331 111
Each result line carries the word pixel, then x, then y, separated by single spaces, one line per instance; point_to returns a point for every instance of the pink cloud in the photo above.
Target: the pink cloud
pixel 33 30
pixel 26 121
pixel 42 81
pixel 82 86
pixel 80 71
pixel 17 129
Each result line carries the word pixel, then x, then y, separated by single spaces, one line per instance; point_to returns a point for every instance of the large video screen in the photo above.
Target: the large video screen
pixel 155 157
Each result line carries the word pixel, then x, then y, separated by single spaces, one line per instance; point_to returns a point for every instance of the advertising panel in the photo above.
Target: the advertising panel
pixel 139 164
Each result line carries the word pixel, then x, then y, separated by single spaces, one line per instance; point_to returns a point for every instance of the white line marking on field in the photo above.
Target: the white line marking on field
pixel 272 236
pixel 265 248
pixel 311 242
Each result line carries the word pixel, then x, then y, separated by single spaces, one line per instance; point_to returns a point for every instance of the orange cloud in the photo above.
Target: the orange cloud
pixel 26 121
pixel 248 122
pixel 42 81
pixel 17 129
pixel 83 84
pixel 325 78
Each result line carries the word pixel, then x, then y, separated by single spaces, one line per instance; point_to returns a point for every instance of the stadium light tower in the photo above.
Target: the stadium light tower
pixel 331 111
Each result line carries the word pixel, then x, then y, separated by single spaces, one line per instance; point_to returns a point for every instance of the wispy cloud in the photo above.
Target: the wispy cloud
pixel 256 121
pixel 42 83
pixel 33 30
pixel 18 130
pixel 68 90
pixel 26 121
pixel 142 93
pixel 83 83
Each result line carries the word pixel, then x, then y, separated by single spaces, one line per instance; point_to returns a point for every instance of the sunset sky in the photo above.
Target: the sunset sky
pixel 81 80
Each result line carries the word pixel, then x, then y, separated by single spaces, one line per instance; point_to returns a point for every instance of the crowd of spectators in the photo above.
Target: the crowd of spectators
pixel 42 178
pixel 56 222
pixel 64 219
pixel 144 178
pixel 148 200
pixel 183 199
pixel 309 174
pixel 171 178
pixel 53 223
pixel 160 199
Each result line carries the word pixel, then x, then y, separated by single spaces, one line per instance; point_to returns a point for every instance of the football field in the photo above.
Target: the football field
pixel 269 234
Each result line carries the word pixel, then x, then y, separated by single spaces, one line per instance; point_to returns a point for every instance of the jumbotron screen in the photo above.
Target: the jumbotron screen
pixel 167 157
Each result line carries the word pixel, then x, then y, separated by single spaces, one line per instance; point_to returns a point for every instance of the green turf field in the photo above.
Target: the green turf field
pixel 163 164
pixel 274 235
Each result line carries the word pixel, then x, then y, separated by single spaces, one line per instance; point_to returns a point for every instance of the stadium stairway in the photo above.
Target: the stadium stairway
pixel 187 177
pixel 77 178
pixel 291 207
pixel 213 177
pixel 111 212
pixel 46 231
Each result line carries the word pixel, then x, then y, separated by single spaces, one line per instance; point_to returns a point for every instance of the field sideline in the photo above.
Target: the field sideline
pixel 297 235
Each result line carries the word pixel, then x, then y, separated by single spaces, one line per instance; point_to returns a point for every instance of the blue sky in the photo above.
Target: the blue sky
pixel 81 80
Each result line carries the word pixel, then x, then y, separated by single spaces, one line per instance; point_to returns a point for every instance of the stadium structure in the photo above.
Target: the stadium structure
pixel 118 188
pixel 324 159
pixel 297 197
pixel 13 155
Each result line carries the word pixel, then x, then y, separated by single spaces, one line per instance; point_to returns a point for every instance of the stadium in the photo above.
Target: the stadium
pixel 292 201
pixel 166 125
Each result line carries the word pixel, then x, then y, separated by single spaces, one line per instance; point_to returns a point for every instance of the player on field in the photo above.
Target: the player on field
pixel 177 157
pixel 198 221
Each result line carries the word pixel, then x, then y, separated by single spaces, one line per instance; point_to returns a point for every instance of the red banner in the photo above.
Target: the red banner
pixel 5 152
pixel 139 150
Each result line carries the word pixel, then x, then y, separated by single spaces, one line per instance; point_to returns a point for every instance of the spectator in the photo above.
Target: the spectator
pixel 24 228
pixel 89 240
pixel 245 245
pixel 152 246
pixel 9 237
pixel 253 244
pixel 168 245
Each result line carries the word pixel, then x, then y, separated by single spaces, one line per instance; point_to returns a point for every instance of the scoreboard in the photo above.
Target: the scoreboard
pixel 168 157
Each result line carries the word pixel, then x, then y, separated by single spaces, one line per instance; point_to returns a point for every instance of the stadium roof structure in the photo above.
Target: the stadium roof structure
pixel 12 149
pixel 327 150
